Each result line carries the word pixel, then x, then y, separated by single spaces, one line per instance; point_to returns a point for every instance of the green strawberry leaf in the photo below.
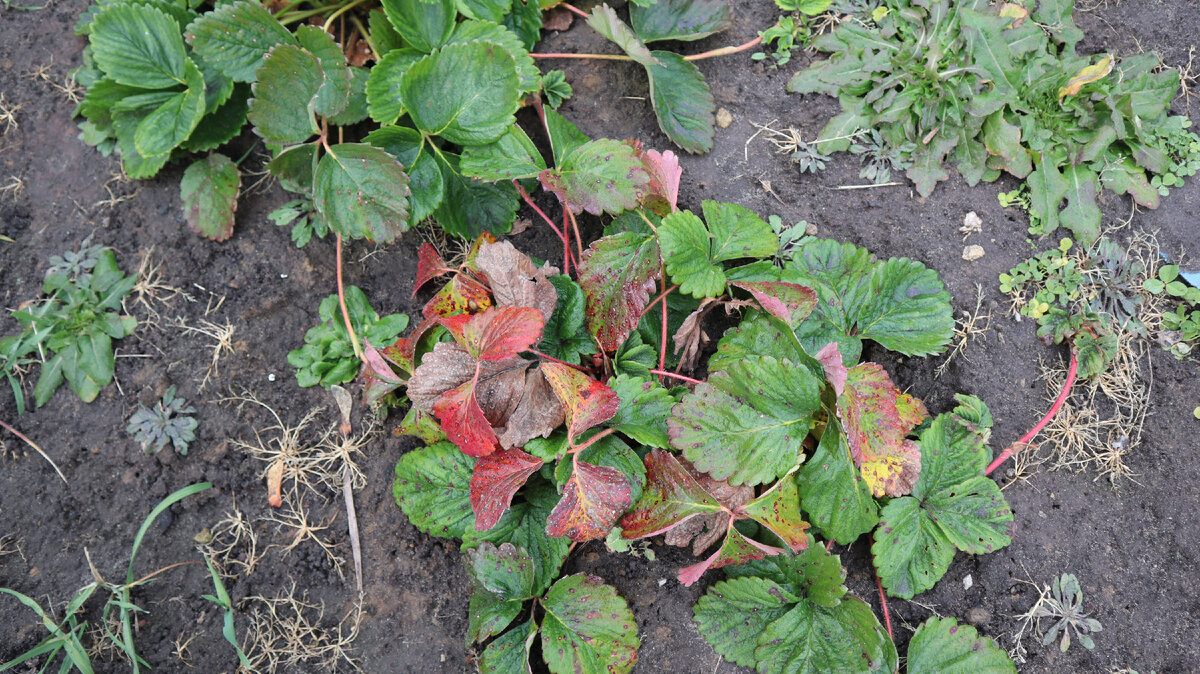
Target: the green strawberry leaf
pixel 209 191
pixel 334 94
pixel 833 493
pixel 588 628
pixel 942 645
pixel 604 20
pixel 356 108
pixel 510 652
pixel 747 423
pixel 384 82
pixel 489 31
pixel 285 95
pixel 425 178
pixel 565 336
pixel 683 102
pixel 685 20
pixel 471 207
pixel 221 125
pixel 172 122
pixel 644 410
pixel 362 192
pixel 465 93
pixel 600 176
pixel 432 487
pixel 565 137
pixel 488 613
pixel 512 157
pixel 693 252
pixel 235 36
pixel 812 573
pixel 617 273
pixel 734 613
pixel 506 570
pixel 139 46
pixel 524 525
pixel 424 24
pixel 809 638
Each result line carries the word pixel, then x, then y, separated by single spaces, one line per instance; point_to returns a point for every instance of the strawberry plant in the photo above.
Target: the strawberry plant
pixel 999 88
pixel 552 420
pixel 330 354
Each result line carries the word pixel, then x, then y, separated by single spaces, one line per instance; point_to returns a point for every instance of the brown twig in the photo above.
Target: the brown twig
pixel 33 444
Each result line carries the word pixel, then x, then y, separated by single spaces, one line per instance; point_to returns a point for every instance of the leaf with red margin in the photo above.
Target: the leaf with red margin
pixel 430 265
pixel 789 302
pixel 461 295
pixel 663 168
pixel 463 421
pixel 588 402
pixel 592 500
pixel 617 274
pixel 497 333
pixel 496 479
pixel 671 497
pixel 878 418
pixel 469 262
pixel 378 366
pixel 737 549
pixel 404 351
pixel 779 510
pixel 830 358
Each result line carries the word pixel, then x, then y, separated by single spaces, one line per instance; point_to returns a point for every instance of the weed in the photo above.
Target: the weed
pixel 168 422
pixel 14 187
pixel 966 329
pixel 151 288
pixel 296 519
pixel 8 116
pixel 223 601
pixel 10 544
pixel 233 542
pixel 1178 330
pixel 329 355
pixel 880 158
pixel 1062 603
pixel 222 343
pixel 287 631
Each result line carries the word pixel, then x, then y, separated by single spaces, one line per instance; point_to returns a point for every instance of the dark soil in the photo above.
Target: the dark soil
pixel 1133 548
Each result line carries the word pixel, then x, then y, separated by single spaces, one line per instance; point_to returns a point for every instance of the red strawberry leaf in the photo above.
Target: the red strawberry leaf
pixel 464 422
pixel 617 274
pixel 587 401
pixel 789 302
pixel 461 295
pixel 592 500
pixel 779 510
pixel 496 479
pixel 671 497
pixel 830 358
pixel 878 418
pixel 430 265
pixel 737 549
pixel 497 333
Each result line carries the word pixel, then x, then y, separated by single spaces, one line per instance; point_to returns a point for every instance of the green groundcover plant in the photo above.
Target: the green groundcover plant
pixel 552 419
pixel 998 88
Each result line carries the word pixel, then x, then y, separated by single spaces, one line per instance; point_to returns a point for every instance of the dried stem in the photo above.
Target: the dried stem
pixel 358 352
pixel 673 375
pixel 33 444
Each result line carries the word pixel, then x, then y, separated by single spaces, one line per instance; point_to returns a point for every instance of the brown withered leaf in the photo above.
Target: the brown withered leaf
pixel 514 279
pixel 690 337
pixel 537 415
pixel 701 531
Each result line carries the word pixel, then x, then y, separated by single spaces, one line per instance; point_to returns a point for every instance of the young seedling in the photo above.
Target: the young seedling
pixel 1062 604
pixel 168 422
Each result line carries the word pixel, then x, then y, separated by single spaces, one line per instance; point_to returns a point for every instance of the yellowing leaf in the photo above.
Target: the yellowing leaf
pixel 1015 12
pixel 878 418
pixel 1087 75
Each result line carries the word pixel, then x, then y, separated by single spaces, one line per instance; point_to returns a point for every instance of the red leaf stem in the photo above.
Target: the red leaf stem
pixel 667 373
pixel 1058 403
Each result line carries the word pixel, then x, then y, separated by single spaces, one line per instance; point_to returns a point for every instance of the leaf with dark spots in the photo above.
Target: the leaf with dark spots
pixel 941 644
pixel 592 500
pixel 430 265
pixel 662 194
pixel 671 496
pixel 537 414
pixel 463 421
pixel 830 358
pixel 514 280
pixel 789 302
pixel 432 488
pixel 600 176
pixel 497 333
pixel 507 571
pixel 587 401
pixel 588 628
pixel 778 509
pixel 617 274
pixel 877 418
pixel 734 613
pixel 706 529
pixel 461 295
pixel 496 478
pixel 643 411
pixel 737 549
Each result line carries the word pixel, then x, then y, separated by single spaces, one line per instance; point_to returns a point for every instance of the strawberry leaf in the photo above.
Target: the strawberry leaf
pixel 736 549
pixel 833 493
pixel 465 93
pixel 383 87
pixel 683 102
pixel 680 19
pixel 432 488
pixel 566 337
pixel 469 207
pixel 788 302
pixel 497 333
pixel 139 46
pixel 941 644
pixel 509 652
pixel 665 173
pixel 426 25
pixel 461 294
pixel 430 265
pixel 209 191
pixel 285 95
pixel 734 613
pixel 512 157
pixel 362 192
pixel 233 38
pixel 496 478
pixel 846 637
pixel 813 573
pixel 600 176
pixel 514 279
pixel 588 628
pixel 487 612
pixel 592 500
pixel 463 421
pixel 617 274
pixel 643 411
pixel 778 509
pixel 334 94
pixel 604 20
pixel 524 525
pixel 877 419
pixel 748 422
pixel 504 570
pixel 693 252
pixel 671 497
pixel 953 505
pixel 588 402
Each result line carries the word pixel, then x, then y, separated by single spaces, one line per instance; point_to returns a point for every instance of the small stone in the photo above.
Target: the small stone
pixel 979 616
pixel 271 376
pixel 811 229
pixel 724 118
pixel 968 581
pixel 972 252
pixel 972 224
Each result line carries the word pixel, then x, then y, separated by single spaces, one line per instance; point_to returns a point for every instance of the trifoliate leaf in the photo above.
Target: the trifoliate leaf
pixel 953 505
pixel 424 24
pixel 139 46
pixel 600 176
pixel 556 88
pixel 496 478
pixel 606 22
pixel 813 574
pixel 505 570
pixel 748 422
pixel 685 20
pixel 384 84
pixel 683 102
pixel 524 525
pixel 809 638
pixel 432 487
pixel 497 333
pixel 734 613
pixel 285 95
pixel 471 207
pixel 593 498
pixel 693 251
pixel 425 178
pixel 362 192
pixel 512 157
pixel 644 409
pixel 942 645
pixel 465 93
pixel 209 191
pixel 234 37
pixel 334 94
pixel 617 274
pixel 565 336
pixel 510 652
pixel 877 419
pixel 588 628
pixel 833 493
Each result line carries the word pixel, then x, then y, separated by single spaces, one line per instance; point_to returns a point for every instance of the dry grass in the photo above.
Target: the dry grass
pixel 967 329
pixel 14 187
pixel 182 645
pixel 69 89
pixel 121 181
pixel 8 116
pixel 222 343
pixel 151 289
pixel 287 631
pixel 296 519
pixel 10 544
pixel 234 543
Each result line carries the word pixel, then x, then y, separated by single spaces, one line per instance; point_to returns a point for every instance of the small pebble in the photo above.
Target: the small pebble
pixel 283 276
pixel 271 377
pixel 979 615
pixel 724 118
pixel 972 252
pixel 968 581
pixel 811 230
